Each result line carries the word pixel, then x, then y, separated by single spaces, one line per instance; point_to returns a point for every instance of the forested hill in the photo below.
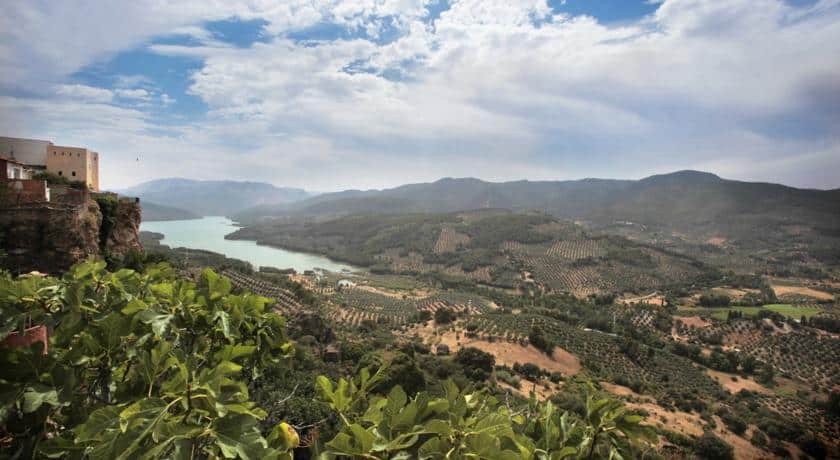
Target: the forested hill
pixel 154 211
pixel 685 201
pixel 213 198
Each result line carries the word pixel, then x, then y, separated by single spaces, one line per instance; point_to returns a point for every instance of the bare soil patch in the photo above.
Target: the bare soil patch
pixel 725 380
pixel 389 293
pixel 743 448
pixel 693 321
pixel 678 421
pixel 620 390
pixel 652 299
pixel 781 290
pixel 716 241
pixel 526 387
pixel 506 353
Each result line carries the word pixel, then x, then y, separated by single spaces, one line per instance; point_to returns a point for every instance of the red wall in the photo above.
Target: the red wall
pixel 21 191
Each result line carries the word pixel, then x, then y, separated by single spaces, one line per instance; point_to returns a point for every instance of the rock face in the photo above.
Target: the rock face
pixel 125 236
pixel 50 237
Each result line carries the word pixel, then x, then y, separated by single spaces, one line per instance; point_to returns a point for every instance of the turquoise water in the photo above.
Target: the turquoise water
pixel 208 233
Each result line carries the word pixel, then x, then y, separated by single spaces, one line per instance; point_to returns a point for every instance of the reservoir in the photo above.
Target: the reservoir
pixel 208 233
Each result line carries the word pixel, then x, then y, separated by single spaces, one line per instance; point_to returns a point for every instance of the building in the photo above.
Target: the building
pixel 345 284
pixel 74 163
pixel 13 169
pixel 31 152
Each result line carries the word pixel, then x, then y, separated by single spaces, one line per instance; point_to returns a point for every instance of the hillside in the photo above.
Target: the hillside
pixel 449 195
pixel 213 198
pixel 153 212
pixel 682 199
pixel 495 247
pixel 696 213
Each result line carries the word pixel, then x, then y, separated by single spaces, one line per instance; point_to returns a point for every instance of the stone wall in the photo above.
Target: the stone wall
pixel 15 192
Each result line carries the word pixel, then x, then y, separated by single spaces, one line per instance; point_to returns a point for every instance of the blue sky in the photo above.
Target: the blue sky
pixel 375 93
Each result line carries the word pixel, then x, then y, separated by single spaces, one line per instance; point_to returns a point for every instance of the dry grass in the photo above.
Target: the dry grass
pixel 506 353
pixel 716 241
pixel 781 290
pixel 734 386
pixel 693 321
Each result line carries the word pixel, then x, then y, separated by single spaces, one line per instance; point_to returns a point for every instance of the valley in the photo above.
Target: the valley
pixel 675 327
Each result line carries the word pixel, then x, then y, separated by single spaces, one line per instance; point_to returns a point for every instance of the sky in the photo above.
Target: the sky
pixel 338 94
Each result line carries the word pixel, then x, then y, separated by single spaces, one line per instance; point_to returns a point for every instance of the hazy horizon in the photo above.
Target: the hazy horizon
pixel 344 94
pixel 319 192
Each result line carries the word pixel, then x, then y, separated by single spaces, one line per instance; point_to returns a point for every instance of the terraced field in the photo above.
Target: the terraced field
pixel 450 240
pixel 286 302
pixel 353 306
pixel 664 375
pixel 576 249
pixel 808 416
pixel 804 354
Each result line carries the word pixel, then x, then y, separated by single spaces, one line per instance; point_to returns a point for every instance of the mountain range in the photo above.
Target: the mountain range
pixel 163 198
pixel 691 202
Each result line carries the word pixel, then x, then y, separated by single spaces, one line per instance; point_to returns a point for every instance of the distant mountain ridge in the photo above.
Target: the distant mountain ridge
pixel 693 202
pixel 156 212
pixel 209 198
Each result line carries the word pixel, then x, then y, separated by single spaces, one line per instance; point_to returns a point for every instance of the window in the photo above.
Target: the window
pixel 60 173
pixel 73 173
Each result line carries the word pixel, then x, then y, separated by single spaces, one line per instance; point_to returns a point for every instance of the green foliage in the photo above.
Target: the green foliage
pixel 140 365
pixel 711 447
pixel 538 339
pixel 713 300
pixel 55 179
pixel 477 364
pixel 467 424
pixel 444 316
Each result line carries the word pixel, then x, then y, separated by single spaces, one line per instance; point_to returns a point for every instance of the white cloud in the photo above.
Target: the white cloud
pixel 84 93
pixel 137 94
pixel 493 88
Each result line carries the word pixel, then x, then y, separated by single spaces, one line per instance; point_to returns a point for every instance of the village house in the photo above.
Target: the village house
pixel 13 169
pixel 17 185
pixel 75 163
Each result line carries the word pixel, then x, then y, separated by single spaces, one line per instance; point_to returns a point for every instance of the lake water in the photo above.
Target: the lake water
pixel 208 233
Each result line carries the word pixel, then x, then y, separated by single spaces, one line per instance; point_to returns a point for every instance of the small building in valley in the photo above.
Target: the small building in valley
pixel 345 284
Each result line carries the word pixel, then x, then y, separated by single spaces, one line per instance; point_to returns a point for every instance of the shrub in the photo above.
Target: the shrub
pixel 759 439
pixel 812 446
pixel 734 423
pixel 710 447
pixel 477 364
pixel 714 300
pixel 530 371
pixel 538 339
pixel 444 316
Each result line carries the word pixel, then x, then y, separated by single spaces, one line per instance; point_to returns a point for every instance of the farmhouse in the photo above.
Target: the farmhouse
pixel 75 163
pixel 345 283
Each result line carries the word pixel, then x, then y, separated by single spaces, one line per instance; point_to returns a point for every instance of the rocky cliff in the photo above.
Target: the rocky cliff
pixel 50 237
pixel 125 236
